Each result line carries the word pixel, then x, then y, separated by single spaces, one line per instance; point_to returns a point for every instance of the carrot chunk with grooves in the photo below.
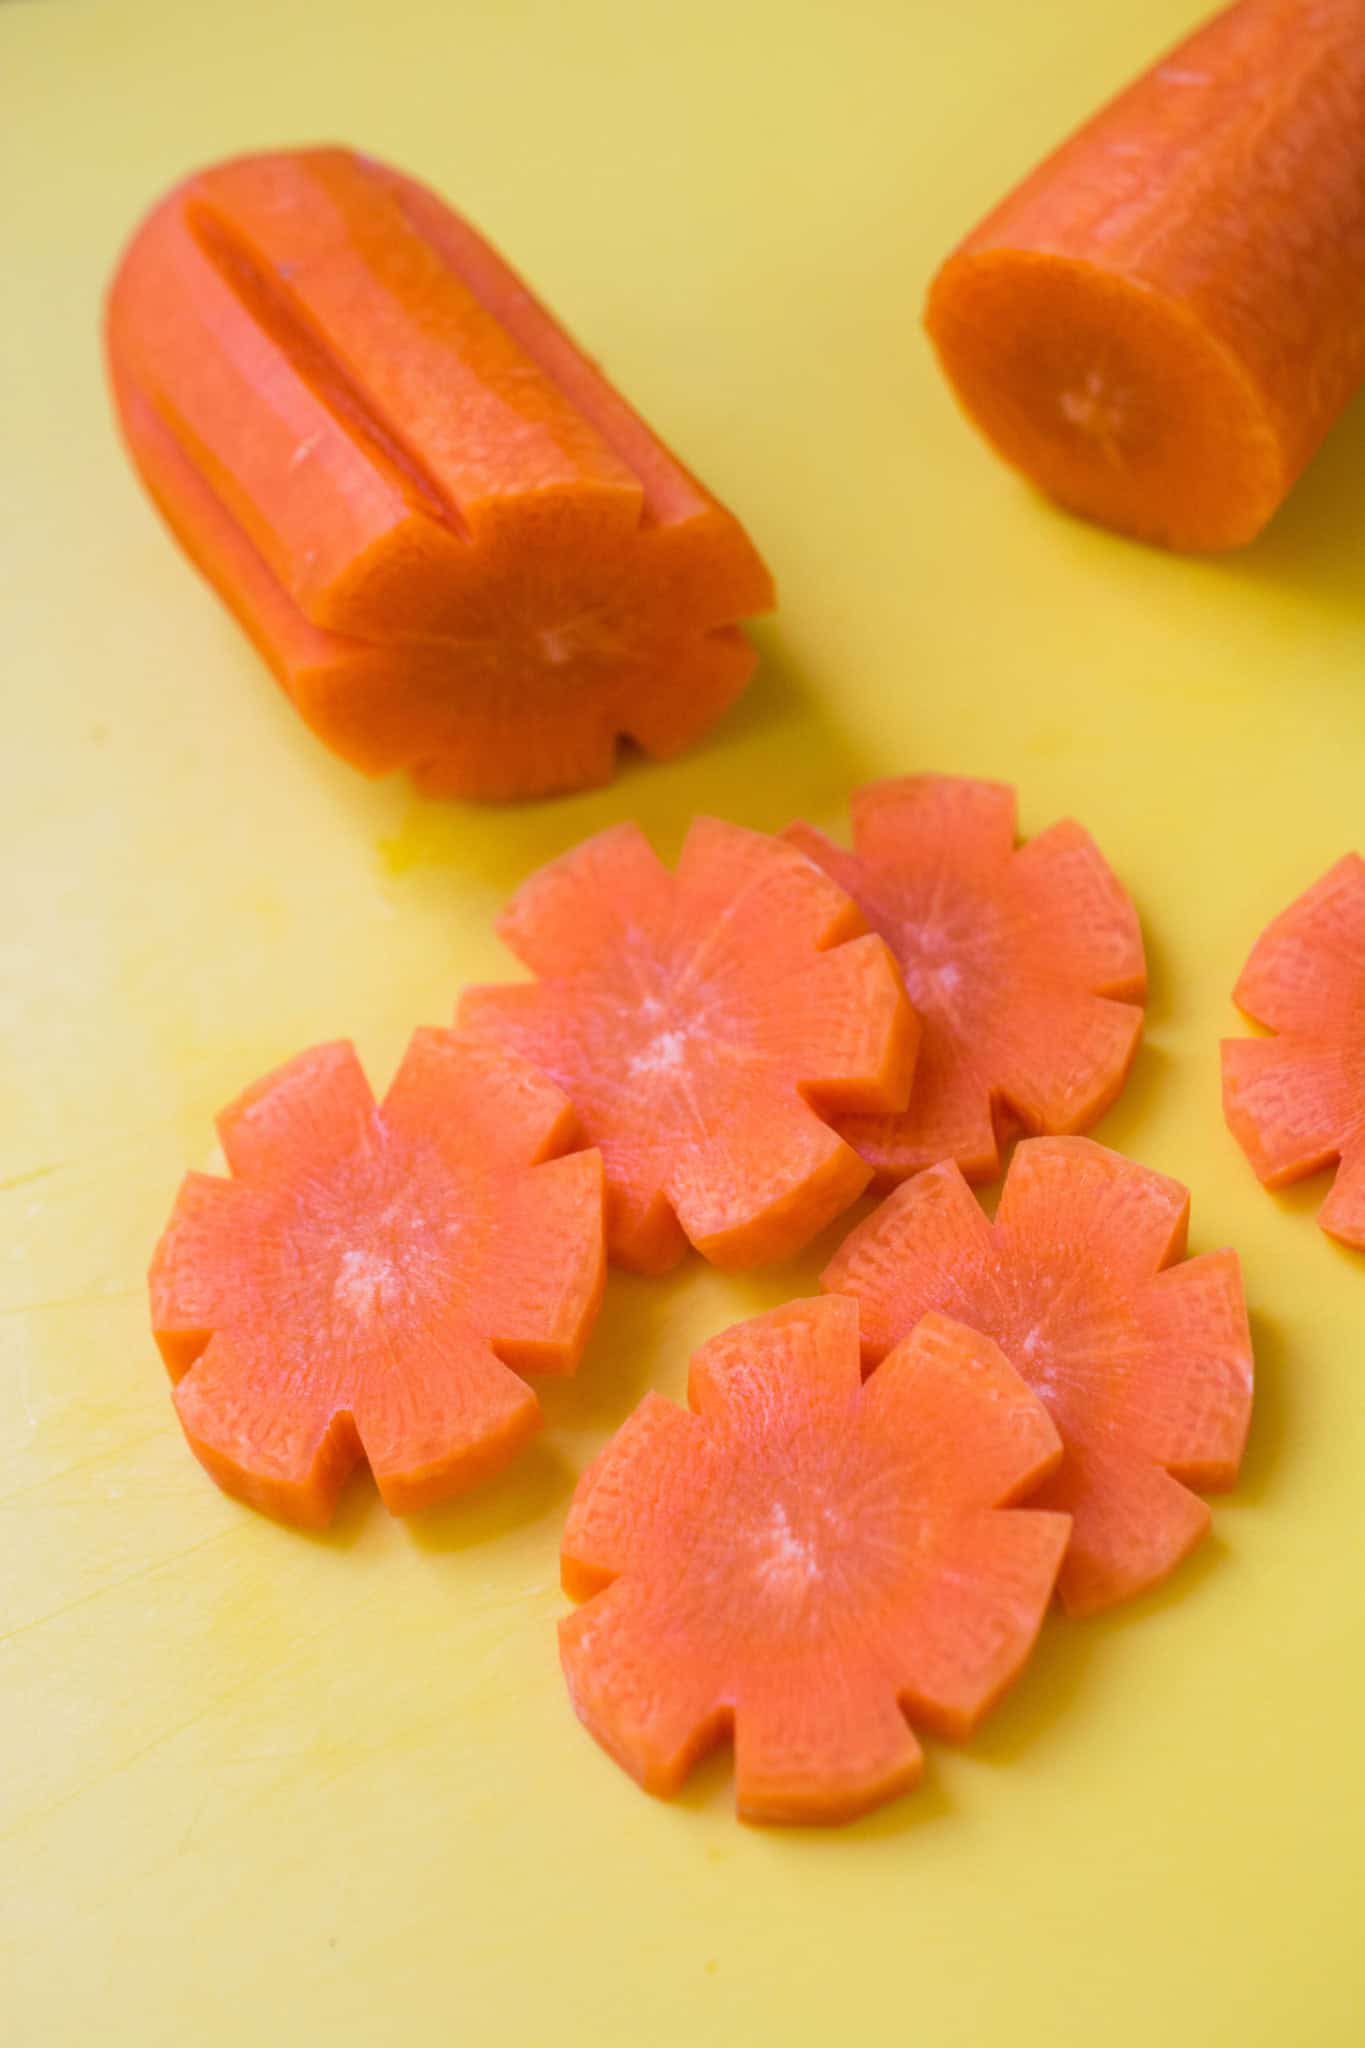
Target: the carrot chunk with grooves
pixel 1159 325
pixel 698 1022
pixel 1142 1357
pixel 808 1561
pixel 458 548
pixel 1296 1102
pixel 372 1280
pixel 1024 966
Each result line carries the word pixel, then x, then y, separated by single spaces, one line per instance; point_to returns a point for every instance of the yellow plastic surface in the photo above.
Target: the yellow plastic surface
pixel 258 1787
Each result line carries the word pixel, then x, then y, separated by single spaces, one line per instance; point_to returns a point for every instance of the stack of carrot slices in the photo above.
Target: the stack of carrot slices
pixel 858 1526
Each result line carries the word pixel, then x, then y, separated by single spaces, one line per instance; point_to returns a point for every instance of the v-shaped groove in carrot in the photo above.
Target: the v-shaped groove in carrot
pixel 703 1024
pixel 671 493
pixel 1295 1101
pixel 809 1562
pixel 373 1281
pixel 496 433
pixel 1024 965
pixel 1142 1357
pixel 461 553
pixel 267 301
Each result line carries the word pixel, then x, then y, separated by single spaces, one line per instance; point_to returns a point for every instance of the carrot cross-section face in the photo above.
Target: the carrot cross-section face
pixel 459 549
pixel 1295 1102
pixel 810 1562
pixel 698 1021
pixel 1142 1357
pixel 373 1281
pixel 1024 966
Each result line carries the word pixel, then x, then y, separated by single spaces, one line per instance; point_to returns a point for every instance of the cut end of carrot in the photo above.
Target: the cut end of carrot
pixel 1109 396
pixel 1161 321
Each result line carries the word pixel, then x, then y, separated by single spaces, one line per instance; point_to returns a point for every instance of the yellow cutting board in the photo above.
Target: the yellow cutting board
pixel 261 1787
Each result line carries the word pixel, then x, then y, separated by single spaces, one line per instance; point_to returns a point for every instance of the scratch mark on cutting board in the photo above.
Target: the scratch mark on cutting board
pixel 17 1494
pixel 136 1756
pixel 158 1564
pixel 23 1180
pixel 26 1395
pixel 194 1821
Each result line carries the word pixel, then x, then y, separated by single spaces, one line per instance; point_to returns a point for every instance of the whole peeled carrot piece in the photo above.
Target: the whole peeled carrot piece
pixel 459 549
pixel 1160 324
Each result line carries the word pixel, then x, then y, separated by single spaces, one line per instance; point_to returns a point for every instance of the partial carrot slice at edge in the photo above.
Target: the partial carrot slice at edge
pixel 1295 1102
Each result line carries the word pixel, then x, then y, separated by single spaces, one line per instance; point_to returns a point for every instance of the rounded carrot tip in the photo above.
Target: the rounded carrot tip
pixel 1112 398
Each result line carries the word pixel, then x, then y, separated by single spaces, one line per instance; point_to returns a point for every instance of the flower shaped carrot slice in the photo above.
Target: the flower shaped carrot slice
pixel 372 1281
pixel 1142 1357
pixel 698 1022
pixel 807 1561
pixel 1295 1102
pixel 1024 966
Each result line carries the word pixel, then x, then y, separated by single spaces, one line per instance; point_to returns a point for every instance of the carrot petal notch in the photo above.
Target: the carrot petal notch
pixel 1160 324
pixel 373 1281
pixel 1142 1357
pixel 1024 966
pixel 809 1563
pixel 1295 1102
pixel 458 548
pixel 704 1024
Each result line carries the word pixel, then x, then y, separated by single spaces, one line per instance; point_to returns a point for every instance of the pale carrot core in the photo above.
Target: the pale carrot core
pixel 1113 399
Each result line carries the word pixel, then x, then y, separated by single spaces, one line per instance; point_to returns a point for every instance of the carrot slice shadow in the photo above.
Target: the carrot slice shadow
pixel 708 1792
pixel 1072 1656
pixel 781 747
pixel 532 1489
pixel 1314 545
pixel 1274 1424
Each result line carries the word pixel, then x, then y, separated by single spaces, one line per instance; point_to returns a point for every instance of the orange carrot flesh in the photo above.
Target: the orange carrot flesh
pixel 810 1563
pixel 458 548
pixel 1024 966
pixel 1295 1102
pixel 373 1282
pixel 1142 1357
pixel 1159 325
pixel 703 1024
